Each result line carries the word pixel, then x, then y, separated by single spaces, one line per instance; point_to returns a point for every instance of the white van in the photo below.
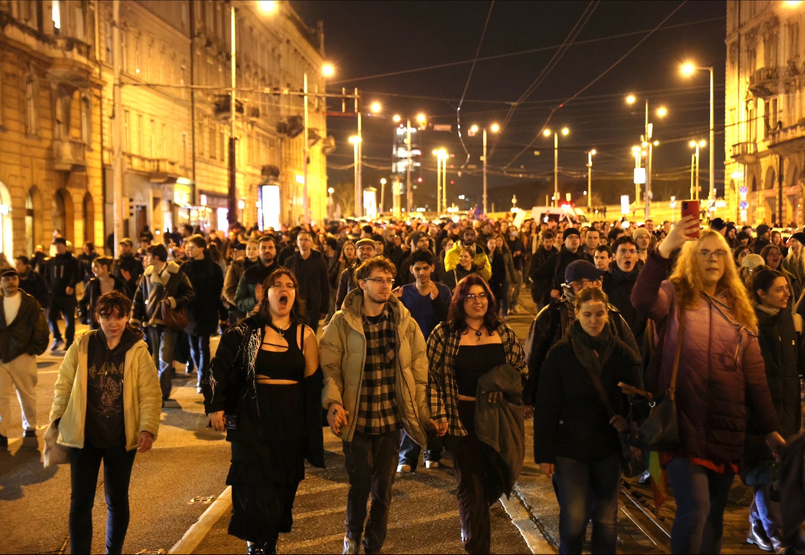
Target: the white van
pixel 560 214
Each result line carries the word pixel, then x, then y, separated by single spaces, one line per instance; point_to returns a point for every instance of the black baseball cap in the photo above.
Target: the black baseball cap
pixel 581 269
pixel 5 272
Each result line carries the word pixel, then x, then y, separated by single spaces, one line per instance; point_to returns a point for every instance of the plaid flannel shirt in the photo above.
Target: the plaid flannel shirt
pixel 377 410
pixel 443 345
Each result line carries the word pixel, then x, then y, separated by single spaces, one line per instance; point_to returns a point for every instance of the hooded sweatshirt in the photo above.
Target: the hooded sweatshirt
pixel 105 426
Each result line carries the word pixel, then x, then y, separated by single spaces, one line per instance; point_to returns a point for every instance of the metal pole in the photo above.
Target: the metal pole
pixel 358 166
pixel 556 169
pixel 382 194
pixel 484 199
pixel 305 154
pixel 357 194
pixel 692 169
pixel 712 195
pixel 589 182
pixel 698 174
pixel 438 183
pixel 117 135
pixel 647 189
pixel 637 185
pixel 408 196
pixel 444 184
pixel 232 193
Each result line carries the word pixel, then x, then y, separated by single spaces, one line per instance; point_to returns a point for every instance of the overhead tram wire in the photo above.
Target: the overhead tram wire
pixel 569 39
pixel 591 83
pixel 521 52
pixel 467 85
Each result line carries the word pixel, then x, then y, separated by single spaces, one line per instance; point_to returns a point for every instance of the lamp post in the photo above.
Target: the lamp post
pixel 382 193
pixel 441 179
pixel 694 168
pixel 648 146
pixel 494 128
pixel 356 142
pixel 688 69
pixel 590 155
pixel 547 133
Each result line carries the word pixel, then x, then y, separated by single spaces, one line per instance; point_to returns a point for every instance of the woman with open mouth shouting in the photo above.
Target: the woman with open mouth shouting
pixel 265 392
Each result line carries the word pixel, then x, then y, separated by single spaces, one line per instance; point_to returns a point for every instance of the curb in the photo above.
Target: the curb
pixel 196 533
pixel 522 519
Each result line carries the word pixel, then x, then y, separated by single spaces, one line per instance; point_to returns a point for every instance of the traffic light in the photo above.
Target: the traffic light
pixel 131 207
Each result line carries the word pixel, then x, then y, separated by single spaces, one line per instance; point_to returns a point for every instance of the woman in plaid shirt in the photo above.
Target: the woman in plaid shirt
pixel 471 342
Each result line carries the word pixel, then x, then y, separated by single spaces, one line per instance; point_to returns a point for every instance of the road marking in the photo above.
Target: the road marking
pixel 196 533
pixel 525 524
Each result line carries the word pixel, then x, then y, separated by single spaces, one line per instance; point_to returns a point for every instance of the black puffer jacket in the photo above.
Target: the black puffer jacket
pixel 549 327
pixel 569 414
pixel 314 281
pixel 618 286
pixel 782 350
pixel 207 280
pixel 62 272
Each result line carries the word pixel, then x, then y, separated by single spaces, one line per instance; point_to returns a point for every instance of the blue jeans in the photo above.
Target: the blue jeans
pixel 66 307
pixel 701 496
pixel 200 351
pixel 162 342
pixel 585 491
pixel 84 466
pixel 409 450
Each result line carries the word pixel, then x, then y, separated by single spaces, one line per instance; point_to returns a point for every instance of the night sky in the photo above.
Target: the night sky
pixel 367 40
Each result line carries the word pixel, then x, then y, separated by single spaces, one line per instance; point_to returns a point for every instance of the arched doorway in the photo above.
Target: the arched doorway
pixel 63 214
pixel 792 207
pixel 6 229
pixel 89 218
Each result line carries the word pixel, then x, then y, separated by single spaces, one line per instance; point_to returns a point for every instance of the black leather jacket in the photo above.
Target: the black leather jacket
pixel 28 333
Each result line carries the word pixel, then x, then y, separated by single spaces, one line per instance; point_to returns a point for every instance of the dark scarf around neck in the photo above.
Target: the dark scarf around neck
pixel 592 352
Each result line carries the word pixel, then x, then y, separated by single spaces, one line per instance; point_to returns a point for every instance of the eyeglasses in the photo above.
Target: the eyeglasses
pixel 706 254
pixel 482 296
pixel 579 285
pixel 383 281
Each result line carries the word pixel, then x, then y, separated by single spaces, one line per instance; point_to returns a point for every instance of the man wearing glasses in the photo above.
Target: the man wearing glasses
pixel 375 380
pixel 619 282
pixel 553 321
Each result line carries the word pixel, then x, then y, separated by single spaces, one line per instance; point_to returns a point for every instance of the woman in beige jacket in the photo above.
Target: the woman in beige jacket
pixel 106 404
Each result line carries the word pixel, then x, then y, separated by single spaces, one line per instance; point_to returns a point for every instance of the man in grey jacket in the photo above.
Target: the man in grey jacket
pixel 373 392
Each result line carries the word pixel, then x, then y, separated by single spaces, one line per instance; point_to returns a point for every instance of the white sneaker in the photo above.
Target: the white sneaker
pixel 431 464
pixel 350 546
pixel 404 468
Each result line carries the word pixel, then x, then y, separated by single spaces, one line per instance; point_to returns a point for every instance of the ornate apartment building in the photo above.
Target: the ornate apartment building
pixel 56 104
pixel 765 112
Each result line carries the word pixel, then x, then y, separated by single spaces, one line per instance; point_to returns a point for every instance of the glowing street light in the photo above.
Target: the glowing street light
pixel 565 131
pixel 474 129
pixel 396 118
pixel 688 69
pixel 328 70
pixel 376 107
pixel 662 111
pixel 421 119
pixel 495 128
pixel 268 7
pixel 631 99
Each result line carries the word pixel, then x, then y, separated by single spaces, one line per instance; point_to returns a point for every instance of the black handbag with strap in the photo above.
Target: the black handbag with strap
pixel 633 463
pixel 660 431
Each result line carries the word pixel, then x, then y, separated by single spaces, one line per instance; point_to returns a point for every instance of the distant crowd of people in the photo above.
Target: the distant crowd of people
pixel 415 358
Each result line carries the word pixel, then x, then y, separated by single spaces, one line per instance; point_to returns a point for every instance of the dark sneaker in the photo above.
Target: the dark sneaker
pixel 3 442
pixel 30 433
pixel 68 345
pixel 56 344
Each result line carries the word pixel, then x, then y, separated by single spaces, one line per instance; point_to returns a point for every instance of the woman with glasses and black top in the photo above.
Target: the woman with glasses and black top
pixel 463 353
pixel 265 387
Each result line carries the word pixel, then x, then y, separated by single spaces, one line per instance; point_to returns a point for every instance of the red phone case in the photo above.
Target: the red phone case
pixel 691 208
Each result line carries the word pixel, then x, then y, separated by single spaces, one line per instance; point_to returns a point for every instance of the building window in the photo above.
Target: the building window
pixel 78 20
pixel 793 40
pixel 31 115
pixel 124 51
pixel 150 75
pixel 212 142
pixel 184 16
pixel 110 58
pixel 126 130
pixel 140 134
pixel 86 120
pixel 56 17
pixel 152 129
pixel 200 138
pixel 222 142
pixel 164 152
pixel 137 55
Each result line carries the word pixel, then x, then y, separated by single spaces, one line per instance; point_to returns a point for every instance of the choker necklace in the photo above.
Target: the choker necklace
pixel 477 332
pixel 280 331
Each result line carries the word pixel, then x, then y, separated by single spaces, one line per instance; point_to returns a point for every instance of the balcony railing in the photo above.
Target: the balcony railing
pixel 159 170
pixel 764 82
pixel 744 152
pixel 69 155
pixel 783 134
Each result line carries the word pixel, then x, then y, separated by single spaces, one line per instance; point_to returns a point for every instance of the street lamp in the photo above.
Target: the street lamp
pixel 688 69
pixel 494 128
pixel 356 142
pixel 328 70
pixel 661 112
pixel 590 155
pixel 382 193
pixel 376 107
pixel 694 167
pixel 547 132
pixel 441 179
pixel 268 7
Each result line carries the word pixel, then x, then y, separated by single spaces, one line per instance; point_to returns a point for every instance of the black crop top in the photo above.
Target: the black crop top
pixel 283 365
pixel 472 362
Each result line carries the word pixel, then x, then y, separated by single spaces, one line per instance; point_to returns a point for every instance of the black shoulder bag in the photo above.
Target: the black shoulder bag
pixel 633 463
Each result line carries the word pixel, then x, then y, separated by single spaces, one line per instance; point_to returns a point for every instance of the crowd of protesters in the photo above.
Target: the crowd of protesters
pixel 416 359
